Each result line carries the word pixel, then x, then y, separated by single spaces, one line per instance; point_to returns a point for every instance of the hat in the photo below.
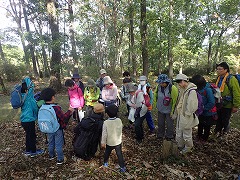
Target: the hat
pixel 98 108
pixel 76 76
pixel 131 87
pixel 107 80
pixel 91 83
pixel 103 71
pixel 142 78
pixel 112 110
pixel 163 78
pixel 181 77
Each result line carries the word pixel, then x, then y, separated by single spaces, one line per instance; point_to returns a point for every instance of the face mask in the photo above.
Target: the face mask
pixel 142 83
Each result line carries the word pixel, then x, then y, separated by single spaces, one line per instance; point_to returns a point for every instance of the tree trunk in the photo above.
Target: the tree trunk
pixel 209 56
pixel 4 64
pixel 160 49
pixel 55 64
pixel 143 30
pixel 170 55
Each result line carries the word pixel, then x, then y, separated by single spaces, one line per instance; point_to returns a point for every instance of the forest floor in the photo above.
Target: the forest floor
pixel 216 160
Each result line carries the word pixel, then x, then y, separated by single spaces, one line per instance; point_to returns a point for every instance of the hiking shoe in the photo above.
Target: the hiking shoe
pixel 38 152
pixel 52 157
pixel 62 161
pixel 185 150
pixel 105 164
pixel 123 170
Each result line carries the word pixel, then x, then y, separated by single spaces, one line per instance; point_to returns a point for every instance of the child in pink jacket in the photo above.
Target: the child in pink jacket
pixel 75 98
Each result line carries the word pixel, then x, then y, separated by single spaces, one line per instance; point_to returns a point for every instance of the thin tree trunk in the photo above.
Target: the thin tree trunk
pixel 170 54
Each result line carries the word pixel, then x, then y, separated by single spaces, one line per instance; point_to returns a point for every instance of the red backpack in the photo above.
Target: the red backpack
pixel 146 98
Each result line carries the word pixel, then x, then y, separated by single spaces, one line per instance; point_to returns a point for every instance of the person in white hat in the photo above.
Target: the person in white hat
pixel 109 92
pixel 146 88
pixel 99 81
pixel 185 113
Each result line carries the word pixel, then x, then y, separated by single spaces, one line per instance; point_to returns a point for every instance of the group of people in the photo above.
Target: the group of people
pixel 175 102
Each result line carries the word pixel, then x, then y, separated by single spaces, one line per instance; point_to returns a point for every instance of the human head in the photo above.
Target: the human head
pixel 69 83
pixel 107 81
pixel 222 68
pixel 143 80
pixel 91 83
pixel 112 110
pixel 199 81
pixel 182 80
pixel 98 108
pixel 76 77
pixel 48 94
pixel 131 88
pixel 126 74
pixel 126 80
pixel 103 73
pixel 163 80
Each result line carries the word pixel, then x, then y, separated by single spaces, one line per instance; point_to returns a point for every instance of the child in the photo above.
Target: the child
pixel 88 133
pixel 78 81
pixel 75 97
pixel 56 140
pixel 29 112
pixel 91 96
pixel 112 136
pixel 185 113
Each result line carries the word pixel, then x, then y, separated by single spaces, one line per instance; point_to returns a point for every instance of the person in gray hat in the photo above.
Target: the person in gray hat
pixel 165 98
pixel 185 113
pixel 146 88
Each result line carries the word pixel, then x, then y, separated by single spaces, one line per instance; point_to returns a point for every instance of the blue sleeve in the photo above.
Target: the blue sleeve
pixel 210 100
pixel 151 96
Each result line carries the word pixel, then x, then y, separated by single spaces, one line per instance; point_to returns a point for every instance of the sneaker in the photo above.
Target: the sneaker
pixel 123 170
pixel 52 157
pixel 185 150
pixel 38 152
pixel 105 164
pixel 27 153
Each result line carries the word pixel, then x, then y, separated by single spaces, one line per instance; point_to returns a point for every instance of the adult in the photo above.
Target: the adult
pixel 109 92
pixel 165 98
pixel 185 113
pixel 99 81
pixel 77 79
pixel 230 92
pixel 146 88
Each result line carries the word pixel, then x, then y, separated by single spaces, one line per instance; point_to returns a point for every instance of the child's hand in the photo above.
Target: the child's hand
pixel 80 108
pixel 70 109
pixel 103 146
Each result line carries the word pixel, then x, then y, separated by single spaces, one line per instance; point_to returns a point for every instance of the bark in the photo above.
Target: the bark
pixel 170 46
pixel 143 30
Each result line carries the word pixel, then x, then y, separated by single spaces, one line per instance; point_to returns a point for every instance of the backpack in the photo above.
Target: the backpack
pixel 199 110
pixel 217 95
pixel 86 141
pixel 16 98
pixel 47 119
pixel 237 76
pixel 146 98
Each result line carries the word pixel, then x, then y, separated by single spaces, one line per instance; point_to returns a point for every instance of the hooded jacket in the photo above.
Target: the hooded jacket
pixel 186 107
pixel 76 97
pixel 29 110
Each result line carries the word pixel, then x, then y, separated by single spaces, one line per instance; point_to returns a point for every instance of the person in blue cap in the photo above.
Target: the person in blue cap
pixel 165 98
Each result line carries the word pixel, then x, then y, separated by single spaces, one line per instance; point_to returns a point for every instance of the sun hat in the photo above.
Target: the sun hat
pixel 91 83
pixel 163 78
pixel 98 108
pixel 107 80
pixel 181 77
pixel 76 76
pixel 131 87
pixel 142 78
pixel 103 71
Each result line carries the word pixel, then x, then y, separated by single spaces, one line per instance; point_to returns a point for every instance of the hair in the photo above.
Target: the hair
pixel 47 94
pixel 69 83
pixel 126 73
pixel 112 110
pixel 199 81
pixel 224 65
pixel 126 80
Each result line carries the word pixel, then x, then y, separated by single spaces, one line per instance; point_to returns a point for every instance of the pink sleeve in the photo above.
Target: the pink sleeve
pixel 80 94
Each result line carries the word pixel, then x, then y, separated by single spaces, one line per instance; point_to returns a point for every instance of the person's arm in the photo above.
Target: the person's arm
pixel 210 100
pixel 174 97
pixel 104 136
pixel 192 102
pixel 80 95
pixel 235 92
pixel 63 118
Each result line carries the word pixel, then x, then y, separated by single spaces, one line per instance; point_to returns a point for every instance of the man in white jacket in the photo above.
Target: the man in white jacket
pixel 185 113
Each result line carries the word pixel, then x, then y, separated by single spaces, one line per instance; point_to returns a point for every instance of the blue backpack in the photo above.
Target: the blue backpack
pixel 47 119
pixel 199 110
pixel 16 99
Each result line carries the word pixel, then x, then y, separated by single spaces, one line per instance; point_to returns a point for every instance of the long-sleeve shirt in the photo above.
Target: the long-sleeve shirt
pixel 109 94
pixel 63 118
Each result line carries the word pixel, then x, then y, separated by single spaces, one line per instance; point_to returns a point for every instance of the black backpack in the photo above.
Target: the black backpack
pixel 87 137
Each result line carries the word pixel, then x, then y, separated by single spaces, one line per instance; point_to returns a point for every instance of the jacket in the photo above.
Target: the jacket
pixel 29 110
pixel 91 95
pixel 109 94
pixel 186 106
pixel 173 95
pixel 76 97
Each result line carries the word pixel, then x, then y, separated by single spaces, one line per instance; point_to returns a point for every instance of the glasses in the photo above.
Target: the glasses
pixel 220 69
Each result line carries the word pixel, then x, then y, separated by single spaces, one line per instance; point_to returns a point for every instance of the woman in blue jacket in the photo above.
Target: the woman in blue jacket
pixel 209 115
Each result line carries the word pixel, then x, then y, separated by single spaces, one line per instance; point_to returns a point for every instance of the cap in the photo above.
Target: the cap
pixel 98 108
pixel 103 71
pixel 181 77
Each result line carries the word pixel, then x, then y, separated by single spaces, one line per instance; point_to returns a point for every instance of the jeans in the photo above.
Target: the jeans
pixel 118 150
pixel 150 120
pixel 139 127
pixel 56 141
pixel 29 128
pixel 224 115
pixel 162 120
